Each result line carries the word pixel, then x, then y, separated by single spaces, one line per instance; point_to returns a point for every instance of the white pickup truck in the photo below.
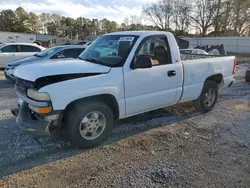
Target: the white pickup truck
pixel 86 96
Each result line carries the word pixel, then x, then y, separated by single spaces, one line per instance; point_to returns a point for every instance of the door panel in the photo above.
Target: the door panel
pixel 6 58
pixel 24 54
pixel 155 87
pixel 7 55
pixel 25 51
pixel 148 89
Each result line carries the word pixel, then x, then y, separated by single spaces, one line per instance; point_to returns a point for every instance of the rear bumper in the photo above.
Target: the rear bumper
pixel 231 83
pixel 35 127
pixel 227 82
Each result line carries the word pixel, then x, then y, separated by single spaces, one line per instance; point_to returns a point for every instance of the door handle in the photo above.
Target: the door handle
pixel 171 73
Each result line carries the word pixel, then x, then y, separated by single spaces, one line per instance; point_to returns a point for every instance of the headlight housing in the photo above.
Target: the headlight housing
pixel 40 110
pixel 39 96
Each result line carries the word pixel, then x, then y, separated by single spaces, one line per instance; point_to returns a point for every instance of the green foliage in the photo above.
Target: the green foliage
pixel 22 20
pixel 54 24
pixel 8 20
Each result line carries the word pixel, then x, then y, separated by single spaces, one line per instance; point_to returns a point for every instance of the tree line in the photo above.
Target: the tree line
pixel 219 17
pixel 203 17
pixel 54 24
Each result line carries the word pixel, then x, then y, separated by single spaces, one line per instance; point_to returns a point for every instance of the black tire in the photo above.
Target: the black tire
pixel 74 117
pixel 200 104
pixel 247 75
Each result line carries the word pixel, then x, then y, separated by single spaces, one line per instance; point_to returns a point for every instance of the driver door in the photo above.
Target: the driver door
pixel 151 88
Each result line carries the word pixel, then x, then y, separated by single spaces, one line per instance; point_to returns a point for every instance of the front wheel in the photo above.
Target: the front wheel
pixel 88 123
pixel 208 97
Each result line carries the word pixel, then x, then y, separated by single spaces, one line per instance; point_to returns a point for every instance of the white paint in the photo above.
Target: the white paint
pixel 136 90
pixel 198 70
pixel 46 68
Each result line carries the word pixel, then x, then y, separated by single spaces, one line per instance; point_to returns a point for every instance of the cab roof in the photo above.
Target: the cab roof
pixel 138 33
pixel 19 43
pixel 72 46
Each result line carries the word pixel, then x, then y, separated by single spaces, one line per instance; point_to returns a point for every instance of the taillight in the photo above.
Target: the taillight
pixel 235 62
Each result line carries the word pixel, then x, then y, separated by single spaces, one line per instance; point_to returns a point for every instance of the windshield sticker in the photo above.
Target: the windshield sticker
pixel 128 39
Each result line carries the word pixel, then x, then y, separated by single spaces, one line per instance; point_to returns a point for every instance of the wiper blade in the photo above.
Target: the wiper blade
pixel 93 60
pixel 37 55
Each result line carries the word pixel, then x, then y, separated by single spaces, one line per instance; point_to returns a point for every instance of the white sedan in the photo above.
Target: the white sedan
pixel 12 51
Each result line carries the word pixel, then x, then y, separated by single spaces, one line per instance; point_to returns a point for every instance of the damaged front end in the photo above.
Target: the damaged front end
pixel 35 111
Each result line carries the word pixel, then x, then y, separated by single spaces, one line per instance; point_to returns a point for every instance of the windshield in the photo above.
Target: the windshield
pixel 109 50
pixel 47 52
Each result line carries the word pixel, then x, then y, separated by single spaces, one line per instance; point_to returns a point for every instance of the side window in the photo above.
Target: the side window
pixel 35 49
pixel 68 53
pixel 71 53
pixel 9 49
pixel 26 48
pixel 157 49
pixel 79 51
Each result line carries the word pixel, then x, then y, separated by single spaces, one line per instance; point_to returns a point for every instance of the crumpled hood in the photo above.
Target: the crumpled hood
pixel 24 60
pixel 33 71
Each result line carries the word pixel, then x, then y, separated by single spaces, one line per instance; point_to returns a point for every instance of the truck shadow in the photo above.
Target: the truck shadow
pixel 18 151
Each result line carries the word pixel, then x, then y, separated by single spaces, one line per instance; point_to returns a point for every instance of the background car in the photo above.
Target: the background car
pixel 193 51
pixel 12 51
pixel 58 52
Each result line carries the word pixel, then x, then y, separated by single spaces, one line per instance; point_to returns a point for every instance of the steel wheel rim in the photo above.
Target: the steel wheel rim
pixel 209 97
pixel 92 125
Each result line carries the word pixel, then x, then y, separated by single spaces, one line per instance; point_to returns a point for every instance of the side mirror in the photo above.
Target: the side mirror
pixel 61 56
pixel 142 62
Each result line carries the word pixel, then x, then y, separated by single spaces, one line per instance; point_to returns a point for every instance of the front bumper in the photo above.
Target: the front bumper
pixel 35 127
pixel 9 77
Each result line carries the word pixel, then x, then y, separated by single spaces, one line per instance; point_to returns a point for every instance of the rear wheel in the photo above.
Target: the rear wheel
pixel 208 97
pixel 247 76
pixel 88 123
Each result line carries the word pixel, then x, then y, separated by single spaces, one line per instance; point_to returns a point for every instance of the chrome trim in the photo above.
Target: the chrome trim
pixel 32 102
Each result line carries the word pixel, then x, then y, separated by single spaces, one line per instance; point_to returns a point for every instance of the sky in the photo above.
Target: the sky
pixel 115 10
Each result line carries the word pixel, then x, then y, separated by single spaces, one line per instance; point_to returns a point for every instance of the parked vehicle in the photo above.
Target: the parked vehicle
pixel 213 49
pixel 193 51
pixel 86 96
pixel 12 51
pixel 59 52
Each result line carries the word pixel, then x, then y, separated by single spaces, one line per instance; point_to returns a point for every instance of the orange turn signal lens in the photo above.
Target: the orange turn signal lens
pixel 44 110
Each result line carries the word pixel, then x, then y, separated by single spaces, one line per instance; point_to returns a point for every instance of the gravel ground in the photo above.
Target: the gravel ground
pixel 173 147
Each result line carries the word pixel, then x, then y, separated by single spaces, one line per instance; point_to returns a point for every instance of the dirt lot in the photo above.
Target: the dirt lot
pixel 173 147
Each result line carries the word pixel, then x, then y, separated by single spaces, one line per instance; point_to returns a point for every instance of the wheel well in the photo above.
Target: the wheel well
pixel 216 78
pixel 110 100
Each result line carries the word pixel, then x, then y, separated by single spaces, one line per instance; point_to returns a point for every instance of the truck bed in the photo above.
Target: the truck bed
pixel 185 57
pixel 198 69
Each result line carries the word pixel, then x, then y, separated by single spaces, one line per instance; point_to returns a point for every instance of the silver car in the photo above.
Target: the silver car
pixel 58 52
